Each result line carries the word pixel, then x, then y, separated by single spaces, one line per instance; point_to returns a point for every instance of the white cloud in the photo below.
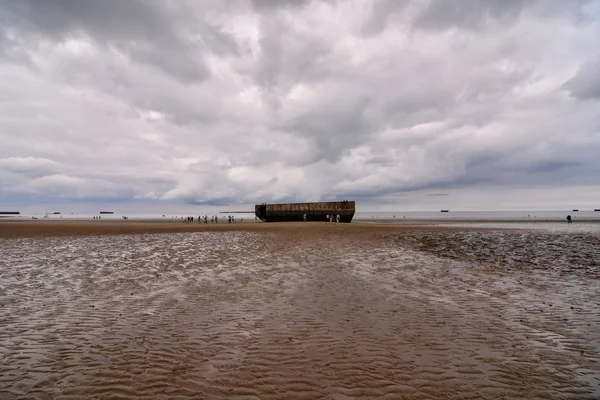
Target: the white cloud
pixel 29 166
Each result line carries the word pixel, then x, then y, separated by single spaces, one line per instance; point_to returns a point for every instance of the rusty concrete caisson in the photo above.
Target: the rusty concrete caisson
pixel 314 211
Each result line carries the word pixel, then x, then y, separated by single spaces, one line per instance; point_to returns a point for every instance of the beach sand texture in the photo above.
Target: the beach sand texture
pixel 296 311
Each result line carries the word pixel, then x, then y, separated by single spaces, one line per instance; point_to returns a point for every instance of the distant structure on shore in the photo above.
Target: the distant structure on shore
pixel 313 211
pixel 10 212
pixel 576 209
pixel 444 210
pixel 106 212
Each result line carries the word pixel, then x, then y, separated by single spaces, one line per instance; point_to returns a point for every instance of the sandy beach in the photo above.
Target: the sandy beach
pixel 139 310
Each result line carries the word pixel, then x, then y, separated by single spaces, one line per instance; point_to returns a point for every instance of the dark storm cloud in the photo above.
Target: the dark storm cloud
pixel 469 14
pixel 335 127
pixel 148 31
pixel 270 5
pixel 585 84
pixel 107 19
pixel 552 166
pixel 289 57
pixel 379 14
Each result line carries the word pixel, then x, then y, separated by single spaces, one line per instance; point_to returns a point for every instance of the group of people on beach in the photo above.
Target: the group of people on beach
pixel 214 219
pixel 333 218
pixel 328 217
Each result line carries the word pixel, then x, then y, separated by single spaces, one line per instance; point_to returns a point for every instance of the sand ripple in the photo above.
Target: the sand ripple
pixel 289 315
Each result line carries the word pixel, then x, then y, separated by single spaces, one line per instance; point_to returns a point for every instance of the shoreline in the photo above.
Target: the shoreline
pixel 442 221
pixel 43 228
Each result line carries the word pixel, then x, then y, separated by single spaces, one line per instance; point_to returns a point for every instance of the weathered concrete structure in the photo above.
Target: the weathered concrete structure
pixel 314 211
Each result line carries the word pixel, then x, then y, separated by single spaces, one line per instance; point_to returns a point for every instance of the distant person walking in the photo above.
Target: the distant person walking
pixel 569 219
pixel 338 218
pixel 304 217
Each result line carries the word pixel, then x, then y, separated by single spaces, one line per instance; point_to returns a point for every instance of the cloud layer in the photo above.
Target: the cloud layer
pixel 238 101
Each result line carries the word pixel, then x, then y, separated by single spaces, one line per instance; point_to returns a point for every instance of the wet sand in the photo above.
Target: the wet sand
pixel 38 228
pixel 41 228
pixel 125 310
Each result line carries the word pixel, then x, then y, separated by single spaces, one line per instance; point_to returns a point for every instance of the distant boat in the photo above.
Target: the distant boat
pixel 576 209
pixel 596 209
pixel 445 211
pixel 106 212
pixel 56 213
pixel 10 212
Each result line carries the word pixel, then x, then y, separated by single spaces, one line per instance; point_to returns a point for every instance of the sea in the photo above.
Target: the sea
pixel 360 216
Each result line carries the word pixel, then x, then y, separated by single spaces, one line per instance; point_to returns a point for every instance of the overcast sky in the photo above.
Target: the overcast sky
pixel 399 105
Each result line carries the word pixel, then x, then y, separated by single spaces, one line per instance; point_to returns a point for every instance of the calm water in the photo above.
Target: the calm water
pixel 482 215
pixel 525 216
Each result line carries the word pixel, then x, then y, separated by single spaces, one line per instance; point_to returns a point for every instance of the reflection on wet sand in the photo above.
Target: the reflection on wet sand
pixel 300 312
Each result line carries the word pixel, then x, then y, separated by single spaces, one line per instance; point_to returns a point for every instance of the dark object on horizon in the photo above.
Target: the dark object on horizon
pixel 445 211
pixel 569 219
pixel 596 209
pixel 576 209
pixel 314 211
pixel 106 212
pixel 56 213
pixel 10 212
